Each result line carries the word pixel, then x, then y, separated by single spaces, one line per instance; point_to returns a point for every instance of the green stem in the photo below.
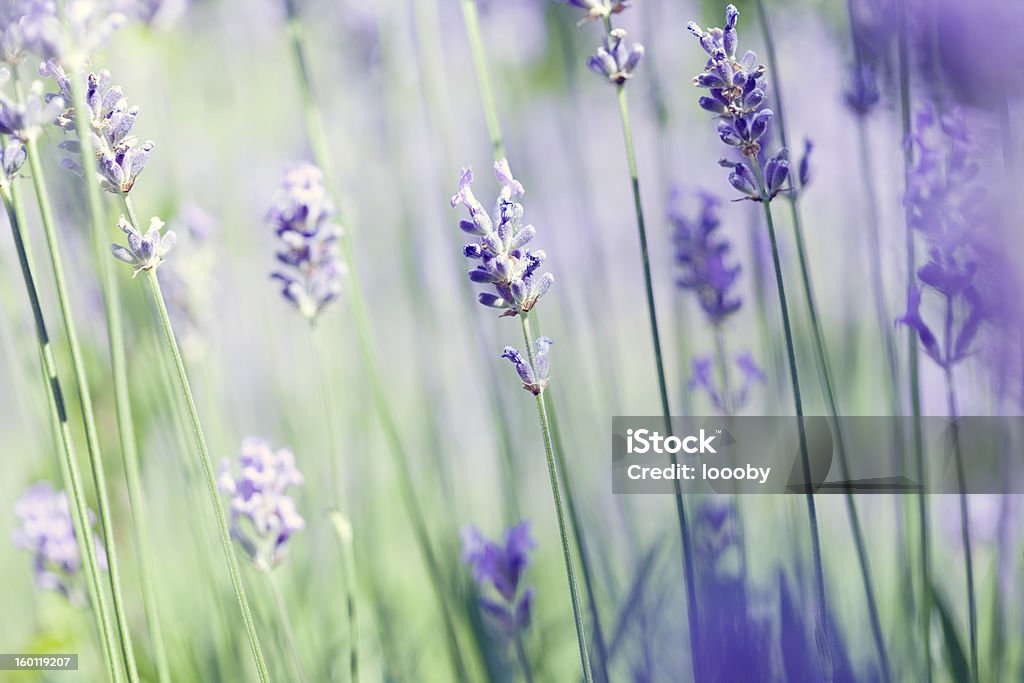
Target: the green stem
pixel 211 478
pixel 469 14
pixel 343 530
pixel 542 414
pixel 684 529
pixel 112 309
pixel 805 462
pixel 357 303
pixel 524 661
pixel 327 399
pixel 69 466
pixel 286 624
pixel 912 352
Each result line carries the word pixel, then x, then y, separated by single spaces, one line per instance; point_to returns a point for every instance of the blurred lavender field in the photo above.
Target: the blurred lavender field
pixel 307 350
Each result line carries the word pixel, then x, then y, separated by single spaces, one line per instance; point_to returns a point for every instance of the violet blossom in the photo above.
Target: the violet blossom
pixel 498 570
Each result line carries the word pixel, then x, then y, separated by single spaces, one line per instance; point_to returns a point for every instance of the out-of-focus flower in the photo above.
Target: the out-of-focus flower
pixel 302 216
pixel 804 167
pixel 45 529
pixel 725 399
pixel 502 566
pixel 505 263
pixel 263 515
pixel 25 120
pixel 736 93
pixel 90 23
pixel 119 157
pixel 615 60
pixel 12 158
pixel 597 9
pixel 161 14
pixel 535 379
pixel 144 251
pixel 862 94
pixel 700 255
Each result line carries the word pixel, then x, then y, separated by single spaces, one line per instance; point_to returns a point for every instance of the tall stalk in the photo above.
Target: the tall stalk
pixel 207 465
pixel 684 528
pixel 570 572
pixel 344 532
pixel 912 353
pixel 360 318
pixel 476 45
pixel 805 462
pixel 824 366
pixel 286 624
pixel 69 464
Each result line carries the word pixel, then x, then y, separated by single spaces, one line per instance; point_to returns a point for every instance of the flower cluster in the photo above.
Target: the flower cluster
pixel 263 515
pixel 535 379
pixel 725 399
pixel 120 158
pixel 144 251
pixel 505 263
pixel 616 60
pixel 502 566
pixel 90 23
pixel 701 255
pixel 944 201
pixel 597 9
pixel 45 529
pixel 736 93
pixel 302 216
pixel 25 120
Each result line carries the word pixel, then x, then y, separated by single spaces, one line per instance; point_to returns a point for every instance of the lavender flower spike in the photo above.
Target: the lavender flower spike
pixel 615 60
pixel 145 252
pixel 302 216
pixel 46 530
pixel 502 566
pixel 25 120
pixel 700 254
pixel 505 263
pixel 535 379
pixel 597 9
pixel 263 515
pixel 119 156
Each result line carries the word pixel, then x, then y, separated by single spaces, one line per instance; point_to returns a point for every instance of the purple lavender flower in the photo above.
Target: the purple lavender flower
pixel 144 251
pixel 45 529
pixel 120 159
pixel 736 94
pixel 703 379
pixel 700 255
pixel 302 216
pixel 804 167
pixel 12 157
pixel 504 261
pixel 535 379
pixel 502 567
pixel 862 93
pixel 90 23
pixel 945 202
pixel 25 120
pixel 597 9
pixel 615 60
pixel 263 515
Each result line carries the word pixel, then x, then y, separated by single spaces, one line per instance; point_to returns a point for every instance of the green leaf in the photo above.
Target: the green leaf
pixel 956 656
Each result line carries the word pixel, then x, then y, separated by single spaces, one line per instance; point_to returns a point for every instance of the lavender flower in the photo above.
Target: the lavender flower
pixel 502 567
pixel 597 9
pixel 90 24
pixel 736 93
pixel 302 216
pixel 120 158
pixel 703 379
pixel 535 379
pixel 862 93
pixel 615 60
pixel 263 515
pixel 45 529
pixel 504 262
pixel 25 120
pixel 144 251
pixel 945 202
pixel 700 255
pixel 12 158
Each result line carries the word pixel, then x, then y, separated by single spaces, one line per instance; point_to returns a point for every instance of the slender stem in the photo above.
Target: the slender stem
pixel 327 399
pixel 722 359
pixel 570 572
pixel 344 532
pixel 69 464
pixel 112 309
pixel 286 624
pixel 524 661
pixel 805 462
pixel 360 318
pixel 469 14
pixel 912 352
pixel 965 520
pixel 684 530
pixel 211 478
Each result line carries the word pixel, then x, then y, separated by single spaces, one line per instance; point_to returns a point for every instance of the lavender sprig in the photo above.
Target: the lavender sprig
pixel 144 251
pixel 535 378
pixel 724 398
pixel 615 60
pixel 501 567
pixel 701 256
